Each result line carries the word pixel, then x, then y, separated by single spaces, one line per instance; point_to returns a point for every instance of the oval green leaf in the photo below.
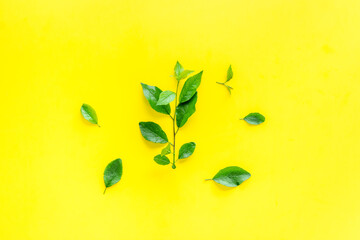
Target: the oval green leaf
pixel 113 173
pixel 187 150
pixel 184 74
pixel 166 150
pixel 254 118
pixel 152 94
pixel 166 97
pixel 89 113
pixel 229 74
pixel 178 69
pixel 231 176
pixel 153 132
pixel 180 73
pixel 189 88
pixel 185 110
pixel 161 160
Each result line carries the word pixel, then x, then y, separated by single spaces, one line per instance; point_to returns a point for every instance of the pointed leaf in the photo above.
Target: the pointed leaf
pixel 178 69
pixel 190 86
pixel 180 73
pixel 166 150
pixel 152 94
pixel 153 132
pixel 113 173
pixel 187 150
pixel 184 74
pixel 231 176
pixel 89 113
pixel 229 74
pixel 254 118
pixel 228 88
pixel 166 97
pixel 185 110
pixel 162 160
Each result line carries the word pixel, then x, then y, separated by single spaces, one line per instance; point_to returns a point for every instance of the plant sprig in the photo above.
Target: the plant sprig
pixel 184 105
pixel 228 78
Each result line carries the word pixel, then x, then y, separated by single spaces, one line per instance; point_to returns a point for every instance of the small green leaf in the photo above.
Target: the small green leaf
pixel 166 97
pixel 166 150
pixel 229 74
pixel 228 88
pixel 231 176
pixel 185 110
pixel 184 74
pixel 254 118
pixel 189 88
pixel 228 78
pixel 153 132
pixel 180 73
pixel 187 150
pixel 113 173
pixel 162 160
pixel 152 94
pixel 178 69
pixel 89 113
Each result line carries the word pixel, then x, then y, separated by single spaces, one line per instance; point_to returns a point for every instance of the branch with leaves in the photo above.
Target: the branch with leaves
pixel 184 105
pixel 160 101
pixel 228 78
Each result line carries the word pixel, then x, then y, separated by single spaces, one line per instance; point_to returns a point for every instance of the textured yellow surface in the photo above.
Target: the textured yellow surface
pixel 297 62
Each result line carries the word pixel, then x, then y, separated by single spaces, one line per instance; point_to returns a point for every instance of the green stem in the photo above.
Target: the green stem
pixel 105 190
pixel 174 132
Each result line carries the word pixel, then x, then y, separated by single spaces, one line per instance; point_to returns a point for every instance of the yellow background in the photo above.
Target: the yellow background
pixel 296 62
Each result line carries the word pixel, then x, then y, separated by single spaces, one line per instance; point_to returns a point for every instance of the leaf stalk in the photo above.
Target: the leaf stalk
pixel 174 122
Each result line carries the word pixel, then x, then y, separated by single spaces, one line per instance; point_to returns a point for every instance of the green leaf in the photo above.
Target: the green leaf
pixel 166 97
pixel 254 118
pixel 231 176
pixel 180 73
pixel 190 86
pixel 229 74
pixel 187 150
pixel 228 88
pixel 89 113
pixel 152 94
pixel 162 160
pixel 166 150
pixel 113 173
pixel 153 132
pixel 185 110
pixel 178 69
pixel 184 74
